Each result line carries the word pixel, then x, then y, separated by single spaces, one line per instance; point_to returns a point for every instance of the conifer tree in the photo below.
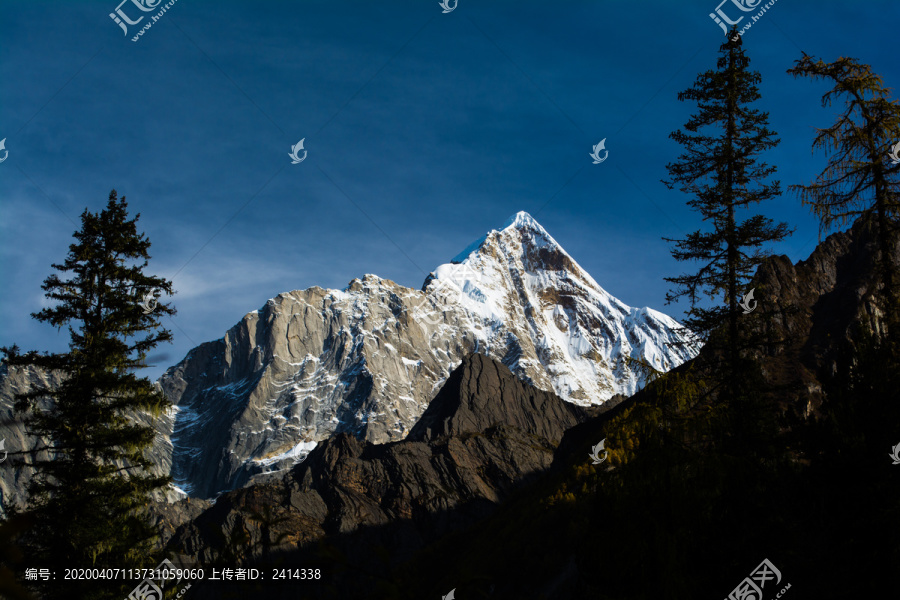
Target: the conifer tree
pixel 860 177
pixel 720 169
pixel 86 499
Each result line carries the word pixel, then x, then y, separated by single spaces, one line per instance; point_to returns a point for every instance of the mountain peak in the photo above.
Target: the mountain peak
pixel 519 225
pixel 370 359
pixel 522 220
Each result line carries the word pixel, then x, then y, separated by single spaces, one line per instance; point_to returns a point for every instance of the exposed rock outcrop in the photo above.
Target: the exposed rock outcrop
pixel 491 432
pixel 368 360
pixel 19 447
pixel 818 304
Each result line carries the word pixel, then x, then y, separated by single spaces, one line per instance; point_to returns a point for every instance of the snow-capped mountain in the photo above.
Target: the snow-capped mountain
pixel 368 359
pixel 557 328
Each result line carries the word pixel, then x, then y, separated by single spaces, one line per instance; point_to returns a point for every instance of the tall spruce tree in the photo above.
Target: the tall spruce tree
pixel 721 172
pixel 860 177
pixel 86 500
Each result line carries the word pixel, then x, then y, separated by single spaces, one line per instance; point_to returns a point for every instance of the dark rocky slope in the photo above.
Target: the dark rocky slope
pixel 818 304
pixel 484 434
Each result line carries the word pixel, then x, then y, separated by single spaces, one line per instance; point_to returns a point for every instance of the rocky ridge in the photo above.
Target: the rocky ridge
pixel 367 360
pixel 484 434
pixel 818 304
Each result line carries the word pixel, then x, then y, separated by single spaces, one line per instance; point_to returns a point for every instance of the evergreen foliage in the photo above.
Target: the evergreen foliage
pixel 87 500
pixel 859 179
pixel 721 170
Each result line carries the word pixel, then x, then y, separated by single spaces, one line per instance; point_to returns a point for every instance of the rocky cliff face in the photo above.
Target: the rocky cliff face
pixel 818 303
pixel 14 471
pixel 22 449
pixel 484 434
pixel 367 360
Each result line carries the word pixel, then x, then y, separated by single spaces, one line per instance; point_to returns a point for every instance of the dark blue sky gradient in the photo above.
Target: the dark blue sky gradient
pixel 424 130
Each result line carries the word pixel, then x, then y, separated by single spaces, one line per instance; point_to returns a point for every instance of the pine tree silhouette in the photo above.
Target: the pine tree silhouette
pixel 720 169
pixel 87 499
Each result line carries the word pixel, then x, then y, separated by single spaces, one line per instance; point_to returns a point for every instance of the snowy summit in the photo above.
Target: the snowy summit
pixel 368 359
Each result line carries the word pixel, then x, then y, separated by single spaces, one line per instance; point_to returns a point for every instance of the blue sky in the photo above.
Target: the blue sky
pixel 424 130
